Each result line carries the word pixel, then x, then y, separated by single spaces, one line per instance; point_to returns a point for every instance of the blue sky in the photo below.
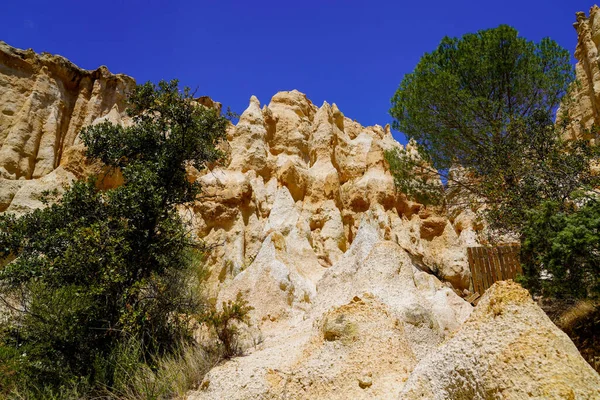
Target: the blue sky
pixel 353 53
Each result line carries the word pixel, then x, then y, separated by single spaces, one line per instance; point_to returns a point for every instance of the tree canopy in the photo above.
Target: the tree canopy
pixel 461 99
pixel 480 111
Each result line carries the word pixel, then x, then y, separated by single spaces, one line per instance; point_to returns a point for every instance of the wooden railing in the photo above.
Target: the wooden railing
pixel 491 264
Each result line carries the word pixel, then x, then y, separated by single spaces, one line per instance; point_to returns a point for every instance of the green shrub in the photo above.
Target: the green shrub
pixel 224 323
pixel 88 275
pixel 562 246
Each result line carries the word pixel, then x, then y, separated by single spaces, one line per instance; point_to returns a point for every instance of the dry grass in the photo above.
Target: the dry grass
pixel 171 378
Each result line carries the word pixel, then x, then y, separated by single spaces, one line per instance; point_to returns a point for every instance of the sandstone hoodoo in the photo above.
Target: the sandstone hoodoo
pixel 583 109
pixel 356 291
pixel 311 174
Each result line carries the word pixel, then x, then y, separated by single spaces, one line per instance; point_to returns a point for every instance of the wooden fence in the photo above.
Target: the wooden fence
pixel 491 264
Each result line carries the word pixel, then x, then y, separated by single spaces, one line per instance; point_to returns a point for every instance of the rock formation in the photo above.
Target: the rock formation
pixel 308 175
pixel 507 349
pixel 44 102
pixel 332 168
pixel 584 106
pixel 364 325
pixel 355 288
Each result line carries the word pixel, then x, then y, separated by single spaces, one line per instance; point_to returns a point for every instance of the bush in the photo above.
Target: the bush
pixel 562 245
pixel 224 323
pixel 98 269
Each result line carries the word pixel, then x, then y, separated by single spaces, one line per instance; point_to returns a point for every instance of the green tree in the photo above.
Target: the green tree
pixel 461 98
pixel 479 110
pixel 98 268
pixel 484 104
pixel 563 246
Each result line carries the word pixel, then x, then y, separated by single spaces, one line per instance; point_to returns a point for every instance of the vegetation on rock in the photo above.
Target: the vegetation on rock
pixel 100 269
pixel 224 323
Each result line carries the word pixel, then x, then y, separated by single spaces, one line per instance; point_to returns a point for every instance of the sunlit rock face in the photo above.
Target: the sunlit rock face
pixel 507 349
pixel 354 330
pixel 338 267
pixel 309 174
pixel 583 109
pixel 45 100
pixel 332 168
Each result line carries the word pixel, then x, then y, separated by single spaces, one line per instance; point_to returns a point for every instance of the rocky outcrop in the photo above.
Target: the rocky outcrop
pixel 331 167
pixel 44 102
pixel 381 328
pixel 359 331
pixel 507 349
pixel 355 288
pixel 310 173
pixel 583 106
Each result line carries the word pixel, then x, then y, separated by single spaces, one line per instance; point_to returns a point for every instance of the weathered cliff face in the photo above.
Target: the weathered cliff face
pixel 45 100
pixel 358 330
pixel 312 174
pixel 342 270
pixel 584 107
pixel 291 156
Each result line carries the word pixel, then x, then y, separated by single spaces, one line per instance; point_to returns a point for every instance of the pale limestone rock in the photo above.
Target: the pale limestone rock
pixel 583 106
pixel 335 171
pixel 333 167
pixel 283 216
pixel 334 237
pixel 507 349
pixel 370 318
pixel 273 285
pixel 304 221
pixel 293 114
pixel 323 182
pixel 27 196
pixel 225 195
pixel 327 233
pixel 248 141
pixel 44 103
pixel 382 268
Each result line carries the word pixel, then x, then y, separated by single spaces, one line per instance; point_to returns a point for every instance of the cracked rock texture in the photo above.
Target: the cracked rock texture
pixel 507 349
pixel 364 324
pixel 302 177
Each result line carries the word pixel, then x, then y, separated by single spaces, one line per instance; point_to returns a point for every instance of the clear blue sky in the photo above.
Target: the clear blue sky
pixel 353 53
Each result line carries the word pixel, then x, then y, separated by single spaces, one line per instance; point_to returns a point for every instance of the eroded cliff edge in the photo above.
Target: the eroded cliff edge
pixel 45 100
